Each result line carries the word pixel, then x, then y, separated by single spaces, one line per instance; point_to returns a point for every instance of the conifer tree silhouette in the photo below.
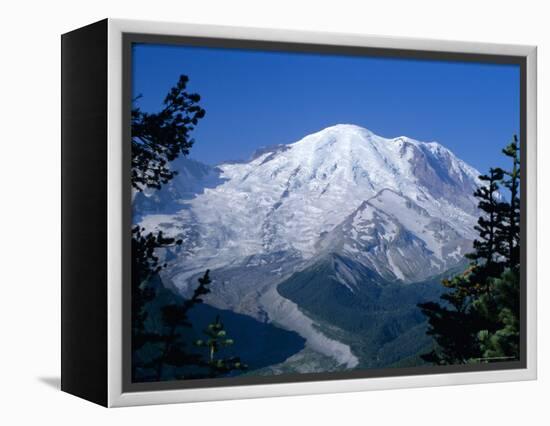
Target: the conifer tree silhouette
pixel 174 317
pixel 145 265
pixel 158 139
pixel 217 339
pixel 479 319
pixel 509 228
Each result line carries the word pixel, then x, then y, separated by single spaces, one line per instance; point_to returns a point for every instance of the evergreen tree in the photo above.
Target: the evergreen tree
pixel 500 340
pixel 509 228
pixel 490 242
pixel 158 138
pixel 145 265
pixel 218 339
pixel 452 325
pixel 479 319
pixel 174 318
pixel 502 343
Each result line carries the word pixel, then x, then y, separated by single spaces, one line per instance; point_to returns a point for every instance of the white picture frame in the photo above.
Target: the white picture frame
pixel 116 394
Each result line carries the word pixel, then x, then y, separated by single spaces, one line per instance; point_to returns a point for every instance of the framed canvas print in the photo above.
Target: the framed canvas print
pixel 256 212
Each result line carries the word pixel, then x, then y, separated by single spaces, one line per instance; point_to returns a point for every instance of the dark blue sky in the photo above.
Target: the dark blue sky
pixel 254 99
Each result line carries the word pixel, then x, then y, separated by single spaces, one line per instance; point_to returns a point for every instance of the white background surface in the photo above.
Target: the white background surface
pixel 30 209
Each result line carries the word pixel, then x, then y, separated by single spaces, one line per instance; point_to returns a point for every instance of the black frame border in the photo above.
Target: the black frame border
pixel 84 234
pixel 129 39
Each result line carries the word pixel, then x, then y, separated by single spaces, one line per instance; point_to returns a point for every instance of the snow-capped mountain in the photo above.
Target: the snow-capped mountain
pixel 286 200
pixel 400 208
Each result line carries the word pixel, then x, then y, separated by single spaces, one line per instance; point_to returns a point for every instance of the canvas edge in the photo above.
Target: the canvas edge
pixel 116 396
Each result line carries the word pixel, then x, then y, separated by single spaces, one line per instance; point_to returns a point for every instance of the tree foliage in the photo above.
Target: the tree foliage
pixel 501 343
pixel 145 265
pixel 159 138
pixel 452 324
pixel 509 227
pixel 489 244
pixel 478 318
pixel 174 318
pixel 217 339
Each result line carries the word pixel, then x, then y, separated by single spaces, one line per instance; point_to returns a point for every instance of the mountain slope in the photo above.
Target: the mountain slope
pixel 397 238
pixel 379 320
